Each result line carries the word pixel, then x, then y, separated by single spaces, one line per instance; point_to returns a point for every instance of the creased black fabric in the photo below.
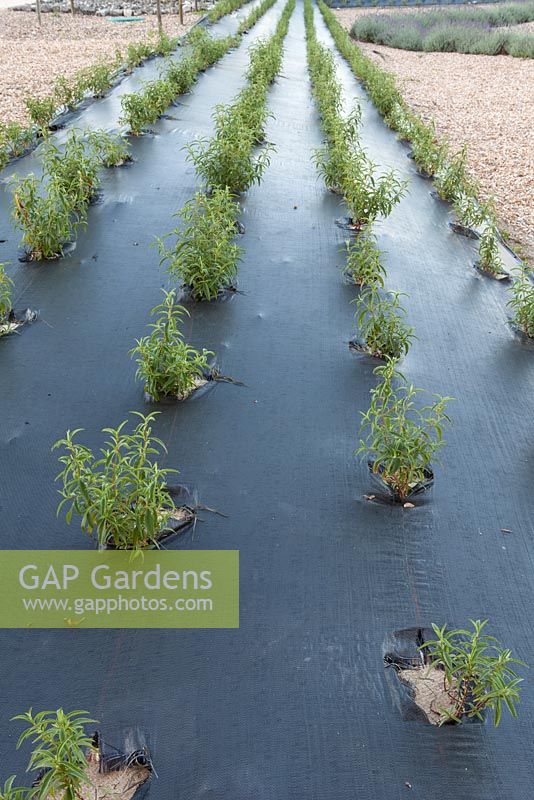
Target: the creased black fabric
pixel 294 704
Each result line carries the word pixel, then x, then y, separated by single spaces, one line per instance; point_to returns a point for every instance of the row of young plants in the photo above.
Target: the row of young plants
pixel 121 495
pixel 227 163
pixel 143 108
pixel 449 171
pixel 475 674
pixel 49 209
pixel 67 93
pixel 399 442
pixel 223 7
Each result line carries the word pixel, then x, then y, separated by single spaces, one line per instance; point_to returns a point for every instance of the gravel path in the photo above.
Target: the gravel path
pixel 30 58
pixel 486 102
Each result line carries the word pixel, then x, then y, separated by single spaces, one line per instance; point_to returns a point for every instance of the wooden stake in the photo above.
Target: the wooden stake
pixel 181 7
pixel 158 11
pixel 38 7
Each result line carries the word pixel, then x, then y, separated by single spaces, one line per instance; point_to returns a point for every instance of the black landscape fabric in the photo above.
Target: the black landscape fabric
pixel 295 704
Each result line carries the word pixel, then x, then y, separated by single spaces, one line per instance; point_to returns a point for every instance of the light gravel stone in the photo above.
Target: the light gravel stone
pixel 31 58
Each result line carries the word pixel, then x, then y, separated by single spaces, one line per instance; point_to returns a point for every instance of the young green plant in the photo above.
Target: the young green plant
pixel 168 366
pixel 120 496
pixel 522 301
pixel 59 742
pixel 400 439
pixel 479 673
pixel 364 261
pixel 381 319
pixel 6 286
pixel 205 256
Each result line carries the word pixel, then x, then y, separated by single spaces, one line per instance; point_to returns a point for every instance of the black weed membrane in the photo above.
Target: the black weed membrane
pixel 297 702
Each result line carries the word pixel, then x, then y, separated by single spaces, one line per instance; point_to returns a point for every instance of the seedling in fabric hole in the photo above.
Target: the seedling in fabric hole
pixel 45 215
pixel 121 496
pixel 469 211
pixel 205 256
pixel 428 153
pixel 96 79
pixel 401 439
pixel 334 161
pixel 168 366
pixel 381 323
pixel 364 261
pixel 368 195
pixel 522 301
pixel 451 176
pixel 208 49
pixel 59 742
pixel 488 250
pixel 41 111
pixel 15 140
pixel 74 170
pixel 226 160
pixel 110 150
pixel 6 286
pixel 478 673
pixel 181 74
pixel 67 93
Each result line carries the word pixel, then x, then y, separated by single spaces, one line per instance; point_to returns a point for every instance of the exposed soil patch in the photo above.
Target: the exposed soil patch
pixel 31 58
pixel 117 785
pixel 486 102
pixel 430 691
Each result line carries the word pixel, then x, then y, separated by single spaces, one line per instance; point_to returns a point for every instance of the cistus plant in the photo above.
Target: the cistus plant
pixel 335 159
pixel 59 742
pixel 168 366
pixel 428 152
pixel 15 140
pixel 254 16
pixel 381 323
pixel 226 160
pixel 121 496
pixel 479 673
pixel 140 109
pixel 451 176
pixel 343 164
pixel 370 195
pixel 45 216
pixel 6 286
pixel 96 79
pixel 364 261
pixel 41 111
pixel 469 210
pixel 205 255
pixel 431 154
pixel 521 301
pixel 67 93
pixel 401 439
pixel 208 49
pixel 110 150
pixel 74 169
pixel 488 249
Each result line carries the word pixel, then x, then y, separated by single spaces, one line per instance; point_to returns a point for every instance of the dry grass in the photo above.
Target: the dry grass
pixel 31 58
pixel 486 102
